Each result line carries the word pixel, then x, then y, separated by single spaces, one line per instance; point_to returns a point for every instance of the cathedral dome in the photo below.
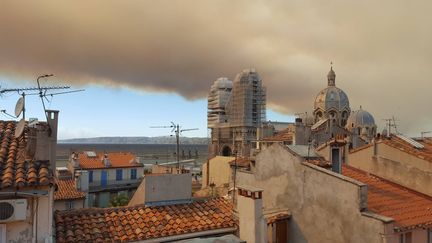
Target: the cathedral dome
pixel 331 97
pixel 360 118
pixel 332 103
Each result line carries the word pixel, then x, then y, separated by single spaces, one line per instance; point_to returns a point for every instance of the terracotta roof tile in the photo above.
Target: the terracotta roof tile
pixel 15 169
pixel 241 162
pixel 409 209
pixel 66 190
pixel 285 135
pixel 117 160
pixel 321 162
pixel 424 153
pixel 121 224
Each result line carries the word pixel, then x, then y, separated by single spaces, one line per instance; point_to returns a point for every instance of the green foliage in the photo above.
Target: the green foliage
pixel 120 200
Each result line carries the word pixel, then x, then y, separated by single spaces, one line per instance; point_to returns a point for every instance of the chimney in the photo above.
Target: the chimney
pixel 251 220
pixel 82 183
pixel 74 160
pixel 259 132
pixel 375 145
pixel 336 153
pixel 52 135
pixel 77 180
pixel 106 160
pixel 82 180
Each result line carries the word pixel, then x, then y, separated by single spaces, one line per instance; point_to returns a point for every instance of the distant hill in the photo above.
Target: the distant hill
pixel 137 140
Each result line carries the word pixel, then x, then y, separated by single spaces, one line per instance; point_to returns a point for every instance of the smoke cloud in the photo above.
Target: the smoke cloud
pixel 381 49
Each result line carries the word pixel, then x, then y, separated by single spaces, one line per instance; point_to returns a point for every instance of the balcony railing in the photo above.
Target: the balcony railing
pixel 114 185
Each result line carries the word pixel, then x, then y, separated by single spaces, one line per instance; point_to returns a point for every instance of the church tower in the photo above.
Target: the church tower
pixel 332 103
pixel 236 110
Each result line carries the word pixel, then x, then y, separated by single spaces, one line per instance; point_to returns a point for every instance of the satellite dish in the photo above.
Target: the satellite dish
pixel 19 129
pixel 19 107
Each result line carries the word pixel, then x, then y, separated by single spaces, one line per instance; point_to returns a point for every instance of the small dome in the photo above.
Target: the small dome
pixel 331 97
pixel 360 118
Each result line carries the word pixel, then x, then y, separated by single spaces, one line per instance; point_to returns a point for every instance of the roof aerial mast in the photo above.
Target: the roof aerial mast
pixel 41 91
pixel 177 130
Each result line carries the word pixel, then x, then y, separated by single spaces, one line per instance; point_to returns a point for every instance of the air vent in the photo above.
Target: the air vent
pixel 6 210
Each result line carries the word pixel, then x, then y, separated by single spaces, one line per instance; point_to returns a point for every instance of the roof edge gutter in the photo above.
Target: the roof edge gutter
pixel 190 235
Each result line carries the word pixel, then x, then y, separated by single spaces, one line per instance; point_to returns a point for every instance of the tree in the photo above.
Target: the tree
pixel 120 200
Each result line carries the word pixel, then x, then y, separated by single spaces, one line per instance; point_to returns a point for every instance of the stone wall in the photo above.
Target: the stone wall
pixel 395 165
pixel 319 214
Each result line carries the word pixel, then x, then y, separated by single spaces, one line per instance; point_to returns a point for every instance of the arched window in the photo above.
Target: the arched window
pixel 226 151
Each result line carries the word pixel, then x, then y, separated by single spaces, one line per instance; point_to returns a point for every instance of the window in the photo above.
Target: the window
pixel 133 174
pixel 90 176
pixel 119 174
pixel 405 238
pixel 69 205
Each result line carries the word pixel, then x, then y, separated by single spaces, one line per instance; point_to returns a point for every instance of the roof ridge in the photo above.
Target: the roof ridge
pixel 387 181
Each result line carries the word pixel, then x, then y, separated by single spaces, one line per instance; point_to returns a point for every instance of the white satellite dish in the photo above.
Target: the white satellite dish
pixel 19 129
pixel 19 107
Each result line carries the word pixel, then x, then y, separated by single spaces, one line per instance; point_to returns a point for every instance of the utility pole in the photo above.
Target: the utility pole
pixel 234 179
pixel 176 129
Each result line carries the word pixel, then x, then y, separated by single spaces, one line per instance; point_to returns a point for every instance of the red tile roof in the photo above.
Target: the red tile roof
pixel 117 160
pixel 321 162
pixel 278 216
pixel 137 223
pixel 15 169
pixel 66 190
pixel 285 135
pixel 241 162
pixel 424 153
pixel 409 209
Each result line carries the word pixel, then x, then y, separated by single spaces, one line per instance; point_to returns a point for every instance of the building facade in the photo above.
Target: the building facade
pixel 27 179
pixel 396 159
pixel 109 175
pixel 350 205
pixel 236 112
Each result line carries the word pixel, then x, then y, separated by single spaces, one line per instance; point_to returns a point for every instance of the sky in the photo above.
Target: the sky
pixel 144 62
pixel 107 111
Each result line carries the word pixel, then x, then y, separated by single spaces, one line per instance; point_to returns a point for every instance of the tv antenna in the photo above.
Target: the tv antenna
pixel 391 123
pixel 423 133
pixel 176 129
pixel 42 91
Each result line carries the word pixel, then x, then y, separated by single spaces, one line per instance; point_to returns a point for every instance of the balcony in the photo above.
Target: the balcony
pixel 114 185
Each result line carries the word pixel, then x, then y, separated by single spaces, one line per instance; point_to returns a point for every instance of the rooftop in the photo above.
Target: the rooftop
pixel 16 170
pixel 303 151
pixel 94 160
pixel 409 209
pixel 66 190
pixel 142 223
pixel 241 162
pixel 423 153
pixel 285 135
